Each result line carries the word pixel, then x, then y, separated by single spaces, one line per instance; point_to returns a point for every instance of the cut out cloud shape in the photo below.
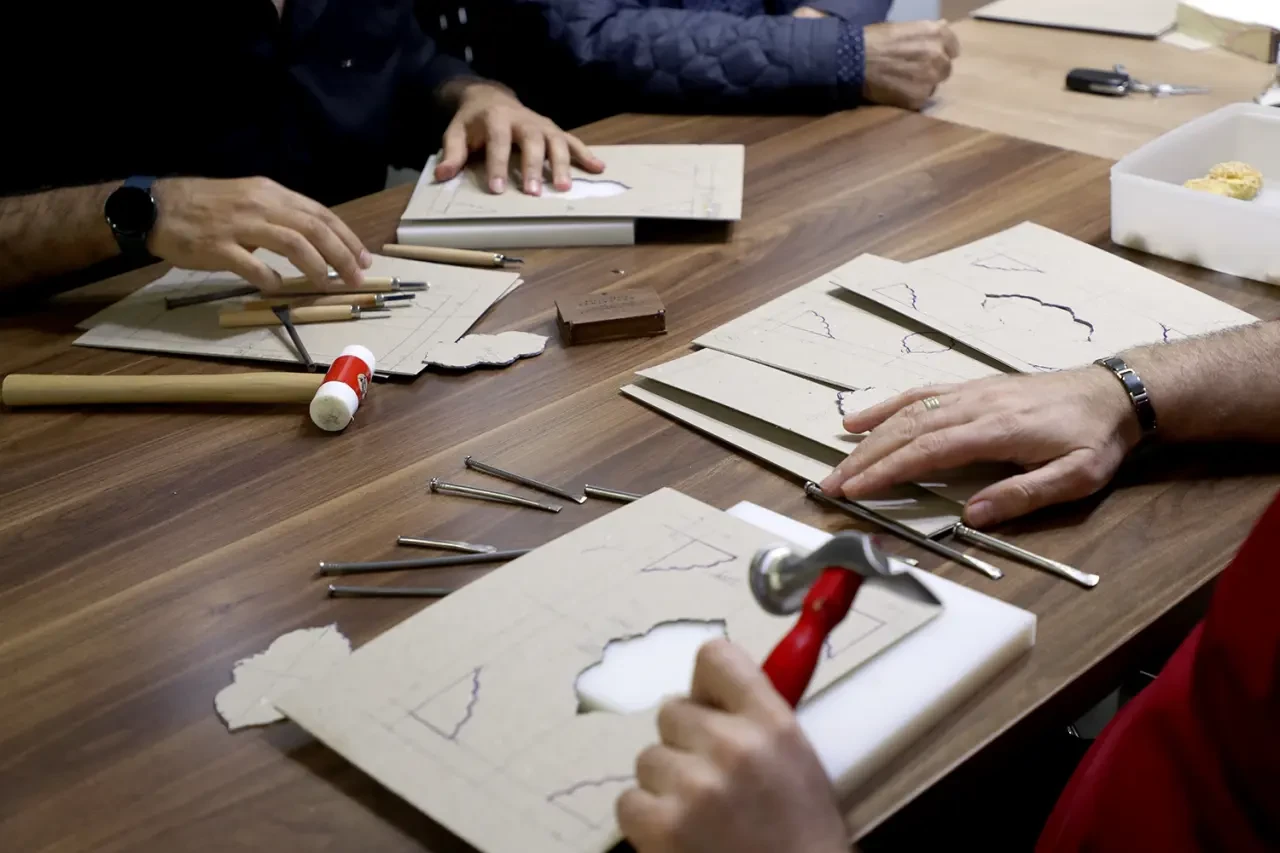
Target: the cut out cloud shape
pixel 639 672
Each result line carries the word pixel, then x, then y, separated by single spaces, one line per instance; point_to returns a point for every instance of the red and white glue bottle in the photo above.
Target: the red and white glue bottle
pixel 344 386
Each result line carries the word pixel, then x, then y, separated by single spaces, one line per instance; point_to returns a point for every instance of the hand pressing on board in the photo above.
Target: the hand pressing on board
pixel 490 117
pixel 206 224
pixel 1070 430
pixel 733 771
pixel 906 62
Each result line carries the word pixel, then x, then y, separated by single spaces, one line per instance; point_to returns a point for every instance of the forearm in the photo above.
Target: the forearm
pixel 54 232
pixel 1223 386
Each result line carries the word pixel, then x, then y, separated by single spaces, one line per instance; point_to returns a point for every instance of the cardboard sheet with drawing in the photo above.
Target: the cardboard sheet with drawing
pixel 468 709
pixel 1037 300
pixel 692 182
pixel 456 298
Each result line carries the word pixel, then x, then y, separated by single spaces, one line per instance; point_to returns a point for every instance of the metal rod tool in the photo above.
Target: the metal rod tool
pixel 336 591
pixel 521 479
pixel 983 540
pixel 445 545
pixel 421 563
pixel 172 302
pixel 440 487
pixel 813 490
pixel 282 313
pixel 610 494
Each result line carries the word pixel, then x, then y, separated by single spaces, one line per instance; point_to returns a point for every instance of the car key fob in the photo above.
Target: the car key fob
pixel 1096 81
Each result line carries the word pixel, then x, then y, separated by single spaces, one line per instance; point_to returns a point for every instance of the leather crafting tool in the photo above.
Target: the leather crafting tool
pixel 442 255
pixel 897 528
pixel 822 586
pixel 283 314
pixel 521 480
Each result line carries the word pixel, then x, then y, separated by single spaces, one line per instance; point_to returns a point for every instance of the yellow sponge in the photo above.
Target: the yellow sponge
pixel 1232 180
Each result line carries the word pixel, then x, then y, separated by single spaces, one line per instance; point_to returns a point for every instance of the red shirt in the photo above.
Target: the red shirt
pixel 1193 762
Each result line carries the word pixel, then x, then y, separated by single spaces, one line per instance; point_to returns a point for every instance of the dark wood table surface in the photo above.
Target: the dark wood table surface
pixel 143 552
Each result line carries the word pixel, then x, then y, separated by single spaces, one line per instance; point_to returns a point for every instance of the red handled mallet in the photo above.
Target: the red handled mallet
pixel 821 586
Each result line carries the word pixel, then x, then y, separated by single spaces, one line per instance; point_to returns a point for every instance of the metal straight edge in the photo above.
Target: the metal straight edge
pixel 610 494
pixel 338 591
pixel 521 480
pixel 438 486
pixel 420 563
pixel 814 491
pixel 445 545
pixel 1087 580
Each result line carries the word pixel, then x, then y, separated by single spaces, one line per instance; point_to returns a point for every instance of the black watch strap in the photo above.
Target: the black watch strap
pixel 130 213
pixel 1135 388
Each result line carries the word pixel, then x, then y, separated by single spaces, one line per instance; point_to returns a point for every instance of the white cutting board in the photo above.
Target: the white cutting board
pixel 1136 18
pixel 860 723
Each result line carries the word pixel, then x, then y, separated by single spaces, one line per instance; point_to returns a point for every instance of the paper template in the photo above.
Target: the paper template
pixel 292 659
pixel 639 182
pixel 821 331
pixel 1038 300
pixel 500 350
pixel 921 510
pixel 802 406
pixel 468 709
pixel 455 300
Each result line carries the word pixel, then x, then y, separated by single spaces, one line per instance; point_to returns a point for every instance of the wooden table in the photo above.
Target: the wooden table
pixel 1009 79
pixel 144 552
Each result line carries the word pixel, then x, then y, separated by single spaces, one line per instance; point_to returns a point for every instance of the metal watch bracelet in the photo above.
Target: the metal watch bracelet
pixel 1135 388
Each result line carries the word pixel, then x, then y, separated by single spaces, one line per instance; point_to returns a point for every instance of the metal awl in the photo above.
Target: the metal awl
pixel 337 591
pixel 445 545
pixel 983 540
pixel 610 494
pixel 520 479
pixel 897 528
pixel 421 563
pixel 284 315
pixel 440 487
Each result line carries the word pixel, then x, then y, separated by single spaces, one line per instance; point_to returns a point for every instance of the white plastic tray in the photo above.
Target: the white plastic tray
pixel 1152 212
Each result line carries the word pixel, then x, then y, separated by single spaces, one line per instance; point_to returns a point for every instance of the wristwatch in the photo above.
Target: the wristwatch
pixel 131 212
pixel 1136 389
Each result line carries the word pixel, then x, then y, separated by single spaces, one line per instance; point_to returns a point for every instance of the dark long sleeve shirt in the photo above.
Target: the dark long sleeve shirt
pixel 577 60
pixel 321 98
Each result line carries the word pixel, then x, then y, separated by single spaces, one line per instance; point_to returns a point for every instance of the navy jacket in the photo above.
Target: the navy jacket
pixel 322 99
pixel 578 60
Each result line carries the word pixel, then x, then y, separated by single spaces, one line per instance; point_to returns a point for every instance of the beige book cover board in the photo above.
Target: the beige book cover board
pixel 1037 300
pixel 926 511
pixel 1248 27
pixel 639 182
pixel 456 298
pixel 809 409
pixel 1138 18
pixel 821 331
pixel 468 709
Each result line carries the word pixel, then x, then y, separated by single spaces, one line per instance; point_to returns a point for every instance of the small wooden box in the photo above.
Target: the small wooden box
pixel 635 313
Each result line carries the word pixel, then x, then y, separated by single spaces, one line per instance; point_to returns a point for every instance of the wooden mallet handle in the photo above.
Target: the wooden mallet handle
pixel 306 314
pixel 60 390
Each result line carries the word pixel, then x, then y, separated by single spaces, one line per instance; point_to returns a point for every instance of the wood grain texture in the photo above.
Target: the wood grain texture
pixel 142 552
pixel 1010 79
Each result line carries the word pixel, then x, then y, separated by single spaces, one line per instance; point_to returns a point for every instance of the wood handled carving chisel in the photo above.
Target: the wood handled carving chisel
pixel 822 587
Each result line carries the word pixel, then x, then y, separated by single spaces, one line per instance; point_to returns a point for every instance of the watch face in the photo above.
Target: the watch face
pixel 131 210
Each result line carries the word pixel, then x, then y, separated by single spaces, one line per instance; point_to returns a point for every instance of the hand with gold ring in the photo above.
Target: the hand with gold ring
pixel 1069 430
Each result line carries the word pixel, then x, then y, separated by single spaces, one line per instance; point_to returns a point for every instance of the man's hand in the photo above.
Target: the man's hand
pixel 733 771
pixel 492 118
pixel 906 62
pixel 1070 430
pixel 205 224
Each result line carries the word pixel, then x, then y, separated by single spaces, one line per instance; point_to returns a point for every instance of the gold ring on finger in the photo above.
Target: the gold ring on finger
pixel 931 403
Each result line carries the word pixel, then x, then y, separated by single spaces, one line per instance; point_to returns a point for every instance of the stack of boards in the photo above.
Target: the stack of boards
pixel 777 381
pixel 640 182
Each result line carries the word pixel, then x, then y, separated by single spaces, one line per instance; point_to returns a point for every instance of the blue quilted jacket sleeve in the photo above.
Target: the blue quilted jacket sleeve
pixel 660 58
